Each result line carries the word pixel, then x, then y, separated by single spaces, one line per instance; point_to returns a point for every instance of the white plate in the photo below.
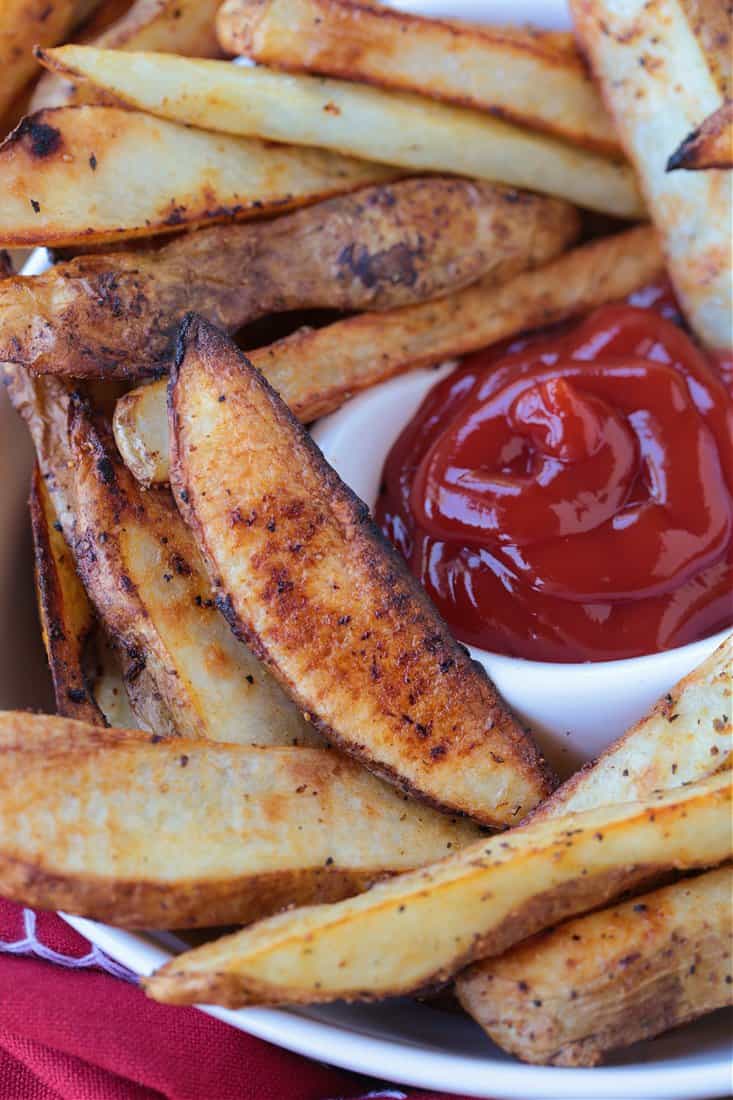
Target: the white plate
pixel 414 1044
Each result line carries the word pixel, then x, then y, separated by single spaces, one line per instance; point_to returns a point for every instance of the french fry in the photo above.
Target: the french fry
pixel 423 927
pixel 116 315
pixel 621 984
pixel 710 20
pixel 67 617
pixel 195 834
pixel 315 372
pixel 709 146
pixel 473 66
pixel 79 175
pixel 396 128
pixel 302 574
pixel 23 25
pixel 143 572
pixel 609 979
pixel 637 51
pixel 687 736
pixel 174 26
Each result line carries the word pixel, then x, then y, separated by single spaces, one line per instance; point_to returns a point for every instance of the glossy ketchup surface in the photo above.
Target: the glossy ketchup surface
pixel 569 497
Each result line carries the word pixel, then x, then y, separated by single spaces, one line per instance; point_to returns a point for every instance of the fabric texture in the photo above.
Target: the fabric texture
pixel 75 1026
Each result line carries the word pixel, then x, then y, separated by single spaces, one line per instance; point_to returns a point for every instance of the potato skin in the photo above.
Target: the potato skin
pixel 116 315
pixel 67 616
pixel 570 995
pixel 326 603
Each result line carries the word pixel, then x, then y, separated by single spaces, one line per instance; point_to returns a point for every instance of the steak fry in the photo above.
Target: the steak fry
pixel 316 372
pixel 143 571
pixel 194 834
pixel 423 927
pixel 305 578
pixel 637 50
pixel 567 996
pixel 116 315
pixel 510 75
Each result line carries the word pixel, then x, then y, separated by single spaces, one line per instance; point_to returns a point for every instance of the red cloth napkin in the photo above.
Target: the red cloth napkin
pixel 87 1032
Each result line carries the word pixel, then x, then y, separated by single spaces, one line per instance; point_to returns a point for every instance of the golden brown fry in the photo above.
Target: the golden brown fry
pixel 67 617
pixel 116 315
pixel 423 927
pixel 709 146
pixel 687 736
pixel 638 51
pixel 194 834
pixel 315 372
pixel 397 128
pixel 172 26
pixel 300 571
pixel 141 568
pixel 473 66
pixel 25 24
pixel 603 981
pixel 710 20
pixel 65 177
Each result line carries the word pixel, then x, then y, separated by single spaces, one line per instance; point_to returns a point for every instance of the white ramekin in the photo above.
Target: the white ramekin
pixel 575 710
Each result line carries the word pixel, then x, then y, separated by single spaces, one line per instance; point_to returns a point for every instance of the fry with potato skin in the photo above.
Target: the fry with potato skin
pixel 511 76
pixel 637 50
pixel 193 833
pixel 303 575
pixel 569 995
pixel 24 24
pixel 392 245
pixel 67 617
pixel 709 146
pixel 62 181
pixel 397 128
pixel 686 736
pixel 433 922
pixel 621 967
pixel 141 568
pixel 316 372
pixel 176 26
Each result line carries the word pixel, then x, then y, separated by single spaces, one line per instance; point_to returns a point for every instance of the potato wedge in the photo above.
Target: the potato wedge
pixel 710 21
pixel 709 146
pixel 637 51
pixel 141 568
pixel 79 175
pixel 175 26
pixel 687 736
pixel 472 66
pixel 301 573
pixel 569 995
pixel 23 25
pixel 67 617
pixel 395 128
pixel 423 927
pixel 316 372
pixel 116 315
pixel 196 834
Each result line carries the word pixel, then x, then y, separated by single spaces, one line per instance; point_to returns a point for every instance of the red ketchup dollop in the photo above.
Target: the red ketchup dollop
pixel 569 496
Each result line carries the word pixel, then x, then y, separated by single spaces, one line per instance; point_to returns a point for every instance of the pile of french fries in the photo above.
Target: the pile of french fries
pixel 262 720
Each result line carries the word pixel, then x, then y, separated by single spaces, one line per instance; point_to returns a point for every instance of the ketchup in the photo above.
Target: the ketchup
pixel 569 496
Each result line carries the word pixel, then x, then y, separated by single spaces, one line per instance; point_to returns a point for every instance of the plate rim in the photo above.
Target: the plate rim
pixel 372 1056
